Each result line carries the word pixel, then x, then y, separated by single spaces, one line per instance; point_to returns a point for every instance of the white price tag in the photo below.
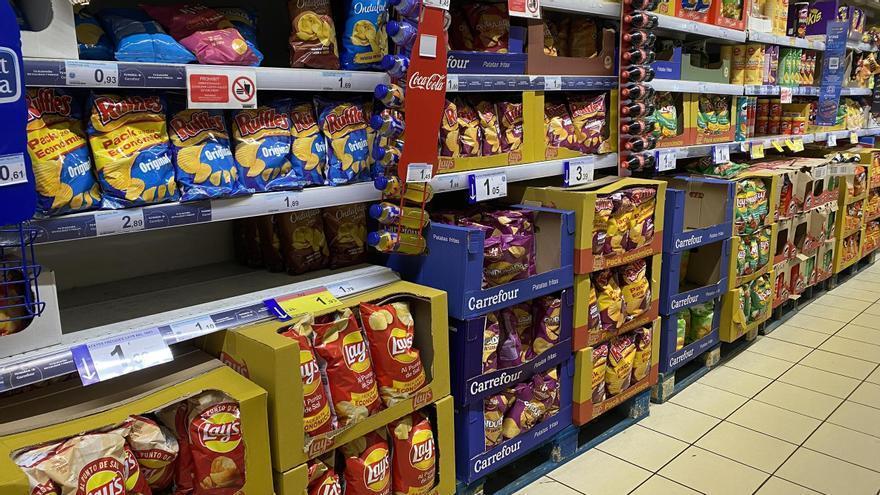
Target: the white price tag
pixel 832 140
pixel 12 170
pixel 785 94
pixel 552 83
pixel 419 172
pixel 196 327
pixel 428 46
pixel 342 289
pixel 119 221
pixel 120 355
pixel 820 172
pixel 841 169
pixel 720 154
pixel 440 4
pixel 91 74
pixel 665 160
pixel 744 146
pixel 452 83
pixel 487 186
pixel 579 170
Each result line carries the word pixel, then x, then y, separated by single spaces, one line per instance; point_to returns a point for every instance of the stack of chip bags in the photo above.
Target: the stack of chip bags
pixel 138 38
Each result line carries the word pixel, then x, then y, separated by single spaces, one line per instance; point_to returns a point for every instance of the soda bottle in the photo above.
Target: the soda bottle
pixel 642 20
pixel 407 8
pixel 392 242
pixel 638 56
pixel 395 65
pixel 391 95
pixel 387 157
pixel 639 162
pixel 640 38
pixel 634 110
pixel 639 143
pixel 637 92
pixel 392 187
pixel 402 33
pixel 637 127
pixel 637 73
pixel 387 125
pixel 391 214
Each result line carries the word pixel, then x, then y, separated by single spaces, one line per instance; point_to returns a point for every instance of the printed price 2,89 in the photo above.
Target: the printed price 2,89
pixel 115 222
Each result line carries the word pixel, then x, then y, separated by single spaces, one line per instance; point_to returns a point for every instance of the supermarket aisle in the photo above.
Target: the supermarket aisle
pixel 796 413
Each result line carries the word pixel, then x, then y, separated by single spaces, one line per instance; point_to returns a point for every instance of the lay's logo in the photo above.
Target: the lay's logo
pixel 343 116
pixel 220 428
pixel 110 109
pixel 240 368
pixel 198 123
pixel 421 454
pixel 376 469
pixel 102 477
pixel 48 101
pixel 355 354
pixel 400 345
pixel 309 370
pixel 330 486
pixel 254 121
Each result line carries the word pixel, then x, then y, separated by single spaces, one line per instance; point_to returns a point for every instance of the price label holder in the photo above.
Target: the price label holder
pixel 91 74
pixel 666 160
pixel 744 146
pixel 419 172
pixel 487 186
pixel 798 145
pixel 120 355
pixel 195 327
pixel 317 300
pixel 440 4
pixel 720 154
pixel 819 172
pixel 452 82
pixel 778 146
pixel 12 170
pixel 785 94
pixel 579 171
pixel 757 150
pixel 119 221
pixel 832 140
pixel 552 83
pixel 853 138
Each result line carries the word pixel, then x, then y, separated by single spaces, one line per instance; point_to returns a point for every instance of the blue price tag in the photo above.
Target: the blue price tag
pixel 120 355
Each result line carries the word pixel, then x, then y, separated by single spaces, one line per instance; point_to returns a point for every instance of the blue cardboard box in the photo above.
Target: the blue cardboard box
pixel 470 384
pixel 512 62
pixel 706 277
pixel 672 359
pixel 454 263
pixel 699 210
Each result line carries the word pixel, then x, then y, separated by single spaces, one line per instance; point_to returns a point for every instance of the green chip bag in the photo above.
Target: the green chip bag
pixel 764 247
pixel 681 330
pixel 701 321
pixel 753 254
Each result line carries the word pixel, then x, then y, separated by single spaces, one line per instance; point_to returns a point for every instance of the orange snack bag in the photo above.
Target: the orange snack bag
pixel 368 465
pixel 398 367
pixel 413 464
pixel 218 450
pixel 318 417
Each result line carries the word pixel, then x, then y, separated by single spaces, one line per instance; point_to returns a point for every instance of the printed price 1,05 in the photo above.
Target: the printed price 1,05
pixel 486 187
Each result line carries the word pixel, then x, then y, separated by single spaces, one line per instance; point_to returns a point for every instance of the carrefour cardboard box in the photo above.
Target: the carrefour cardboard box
pixel 63 410
pixel 609 137
pixel 295 481
pixel 739 246
pixel 272 361
pixel 582 200
pixel 584 410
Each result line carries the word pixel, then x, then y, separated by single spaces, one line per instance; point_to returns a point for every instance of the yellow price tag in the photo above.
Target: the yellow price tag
pixel 317 300
pixel 778 146
pixel 790 144
pixel 853 138
pixel 798 145
pixel 757 150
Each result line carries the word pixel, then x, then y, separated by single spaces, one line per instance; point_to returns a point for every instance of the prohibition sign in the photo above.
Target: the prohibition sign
pixel 243 89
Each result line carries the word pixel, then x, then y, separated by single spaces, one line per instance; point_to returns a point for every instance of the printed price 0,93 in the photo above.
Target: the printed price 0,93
pixel 92 74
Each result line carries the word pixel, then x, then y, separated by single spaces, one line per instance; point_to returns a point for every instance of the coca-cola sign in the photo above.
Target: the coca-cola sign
pixel 434 82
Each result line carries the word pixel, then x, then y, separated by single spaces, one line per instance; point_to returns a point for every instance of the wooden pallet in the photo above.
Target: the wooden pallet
pixel 675 381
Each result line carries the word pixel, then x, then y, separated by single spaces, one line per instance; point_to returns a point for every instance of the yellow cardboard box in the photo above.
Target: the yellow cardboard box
pixel 735 280
pixel 272 361
pixel 582 200
pixel 706 127
pixel 733 324
pixel 66 409
pixel 295 481
pixel 584 410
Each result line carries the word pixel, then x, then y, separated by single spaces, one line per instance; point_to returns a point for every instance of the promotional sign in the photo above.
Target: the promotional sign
pixel 208 87
pixel 530 9
pixel 833 66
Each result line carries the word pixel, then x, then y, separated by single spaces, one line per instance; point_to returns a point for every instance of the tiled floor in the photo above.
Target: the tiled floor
pixel 798 412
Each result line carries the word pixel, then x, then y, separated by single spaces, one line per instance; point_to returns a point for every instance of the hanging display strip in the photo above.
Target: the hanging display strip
pixel 675 86
pixel 177 326
pixel 593 7
pixel 483 82
pixel 684 25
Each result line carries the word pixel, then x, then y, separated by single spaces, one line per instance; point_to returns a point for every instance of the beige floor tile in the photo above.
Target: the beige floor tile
pixel 853 293
pixel 863 285
pixel 734 380
pixel 746 446
pixel 797 335
pixel 643 447
pixel 814 323
pixel 838 363
pixel 779 349
pixel 598 473
pixel 828 475
pixel 873 309
pixel 874 377
pixel 841 302
pixel 709 400
pixel 859 417
pixel 868 394
pixel 778 486
pixel 852 348
pixel 797 399
pixel 710 473
pixel 759 364
pixel 820 381
pixel 848 445
pixel 868 276
pixel 657 485
pixel 679 422
pixel 860 333
pixel 774 421
pixel 831 313
pixel 547 486
pixel 867 320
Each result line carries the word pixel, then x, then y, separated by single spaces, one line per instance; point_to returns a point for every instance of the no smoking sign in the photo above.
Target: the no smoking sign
pixel 213 87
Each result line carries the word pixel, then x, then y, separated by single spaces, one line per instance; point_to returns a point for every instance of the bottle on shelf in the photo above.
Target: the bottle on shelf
pixel 387 125
pixel 640 38
pixel 642 4
pixel 638 56
pixel 402 33
pixel 392 242
pixel 642 20
pixel 636 162
pixel 391 95
pixel 416 192
pixel 407 8
pixel 395 65
pixel 637 73
pixel 641 143
pixel 637 92
pixel 637 109
pixel 390 214
pixel 387 157
pixel 637 127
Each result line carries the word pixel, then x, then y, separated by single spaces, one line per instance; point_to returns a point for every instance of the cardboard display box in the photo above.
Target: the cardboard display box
pixel 733 325
pixel 272 361
pixel 671 358
pixel 66 409
pixel 704 278
pixel 709 126
pixel 719 17
pixel 735 280
pixel 608 145
pixel 670 117
pixel 512 62
pixel 699 210
pixel 848 251
pixel 602 64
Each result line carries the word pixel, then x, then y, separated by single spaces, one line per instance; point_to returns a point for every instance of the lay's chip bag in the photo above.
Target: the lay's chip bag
pixel 132 153
pixel 344 124
pixel 364 39
pixel 138 38
pixel 262 147
pixel 203 157
pixel 309 146
pixel 59 153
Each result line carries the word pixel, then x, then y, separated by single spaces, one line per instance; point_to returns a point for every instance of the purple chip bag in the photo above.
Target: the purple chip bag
pixel 600 360
pixel 491 337
pixel 494 408
pixel 510 351
pixel 507 258
pixel 547 318
pixel 518 319
pixel 604 208
pixel 511 221
pixel 221 47
pixel 546 391
pixel 524 412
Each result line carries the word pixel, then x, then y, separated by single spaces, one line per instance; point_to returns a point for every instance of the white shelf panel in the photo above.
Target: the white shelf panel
pixel 775 39
pixel 686 26
pixel 855 91
pixel 675 86
pixel 593 7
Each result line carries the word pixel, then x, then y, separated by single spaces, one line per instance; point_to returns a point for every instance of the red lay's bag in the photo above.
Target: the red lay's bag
pixel 317 416
pixel 413 464
pixel 349 368
pixel 323 479
pixel 368 465
pixel 28 461
pixel 218 450
pixel 174 418
pixel 398 367
pixel 156 450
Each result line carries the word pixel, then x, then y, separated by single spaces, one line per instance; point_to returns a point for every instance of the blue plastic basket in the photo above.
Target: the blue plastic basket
pixel 19 291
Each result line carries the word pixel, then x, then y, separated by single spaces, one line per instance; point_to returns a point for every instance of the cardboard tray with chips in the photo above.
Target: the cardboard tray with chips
pixel 609 145
pixel 295 481
pixel 672 359
pixel 717 19
pixel 272 361
pixel 512 62
pixel 735 280
pixel 692 116
pixel 454 263
pixel 699 210
pixel 470 384
pixel 772 183
pixel 841 262
pixel 601 64
pixel 583 336
pixel 582 201
pixel 473 461
pixel 583 408
pixel 731 329
pixel 707 277
pixel 66 409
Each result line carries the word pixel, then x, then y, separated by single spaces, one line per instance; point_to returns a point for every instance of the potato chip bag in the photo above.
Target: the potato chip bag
pixel 511 123
pixel 494 408
pixel 621 354
pixel 390 332
pixel 318 418
pixel 461 37
pixel 742 211
pixel 641 231
pixel 309 146
pixel 38 481
pixel 182 20
pixel 620 223
pixel 635 288
pixel 682 324
pixel 222 47
pixel 548 323
pixel 610 300
pixel 368 465
pixel 518 319
pixel 507 258
pixel 559 126
pixel 59 153
pixel 470 134
pixel 130 145
pixel 344 124
pixel 588 120
pixel 93 460
pixel 270 244
pixel 762 201
pixel 761 297
pixel 489 124
pixel 449 143
pixel 302 240
pixel 742 262
pixel 92 42
pixel 752 253
pixel 701 317
pixel 414 458
pixel 346 230
pixel 491 25
pixel 156 450
pixel 244 19
pixel 751 197
pixel 174 417
pixel 593 311
pixel 349 368
pixel 263 147
pixel 364 39
pixel 323 479
pixel 642 356
pixel 523 413
pixel 312 35
pixel 203 160
pixel 511 351
pixel 138 38
pixel 546 391
pixel 135 481
pixel 218 449
pixel 604 208
pixel 491 339
pixel 763 237
pixel 583 35
pixel 550 34
pixel 510 221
